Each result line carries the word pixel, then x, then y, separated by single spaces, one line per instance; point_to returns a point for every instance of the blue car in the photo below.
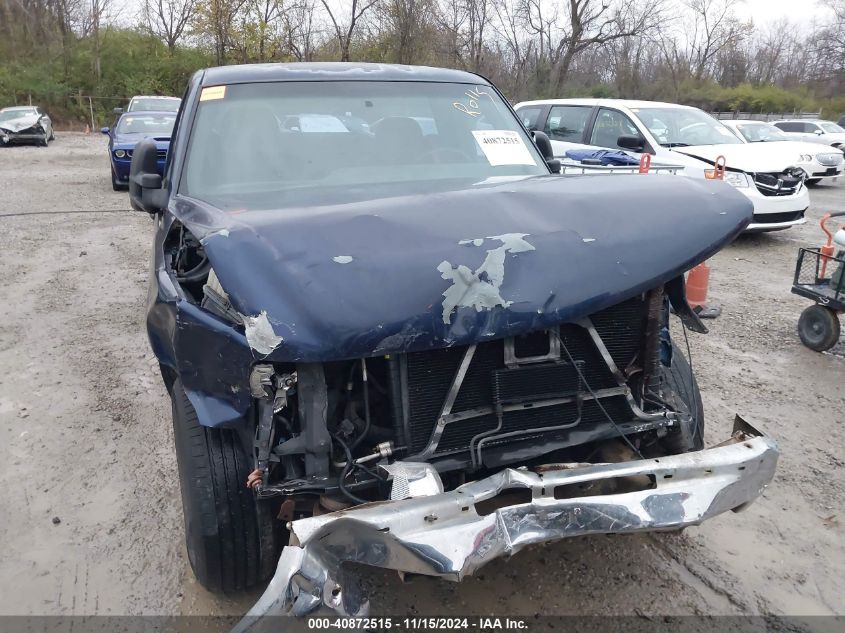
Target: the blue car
pixel 131 128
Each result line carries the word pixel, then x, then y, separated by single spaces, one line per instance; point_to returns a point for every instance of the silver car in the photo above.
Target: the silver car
pixel 815 131
pixel 818 162
pixel 25 124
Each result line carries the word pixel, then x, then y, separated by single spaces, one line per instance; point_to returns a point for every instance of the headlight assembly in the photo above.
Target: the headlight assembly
pixel 119 153
pixel 735 178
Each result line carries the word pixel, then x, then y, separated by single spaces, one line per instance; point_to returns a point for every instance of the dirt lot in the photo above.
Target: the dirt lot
pixel 91 520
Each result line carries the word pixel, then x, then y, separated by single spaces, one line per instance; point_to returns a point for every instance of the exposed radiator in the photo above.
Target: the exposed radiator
pixel 424 378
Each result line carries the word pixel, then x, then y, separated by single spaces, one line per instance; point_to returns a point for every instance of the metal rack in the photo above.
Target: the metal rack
pixel 572 167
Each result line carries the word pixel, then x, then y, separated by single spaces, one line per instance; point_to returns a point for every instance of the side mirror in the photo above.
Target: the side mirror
pixel 104 130
pixel 545 146
pixel 117 111
pixel 631 142
pixel 817 132
pixel 145 192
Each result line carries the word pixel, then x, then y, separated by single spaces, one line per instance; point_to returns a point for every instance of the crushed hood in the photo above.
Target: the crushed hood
pixel 747 157
pixel 20 123
pixel 435 269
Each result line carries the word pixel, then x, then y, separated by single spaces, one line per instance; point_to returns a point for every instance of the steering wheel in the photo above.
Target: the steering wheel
pixel 433 154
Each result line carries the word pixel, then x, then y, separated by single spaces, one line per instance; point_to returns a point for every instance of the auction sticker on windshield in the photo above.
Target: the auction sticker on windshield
pixel 213 92
pixel 503 147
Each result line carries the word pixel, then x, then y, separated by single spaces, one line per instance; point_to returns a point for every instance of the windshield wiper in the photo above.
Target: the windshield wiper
pixel 674 144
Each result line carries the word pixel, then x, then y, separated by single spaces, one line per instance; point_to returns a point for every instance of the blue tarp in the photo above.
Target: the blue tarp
pixel 606 156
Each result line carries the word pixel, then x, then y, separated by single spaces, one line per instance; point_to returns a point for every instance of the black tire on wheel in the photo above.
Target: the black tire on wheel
pixel 818 328
pixel 683 386
pixel 813 181
pixel 233 540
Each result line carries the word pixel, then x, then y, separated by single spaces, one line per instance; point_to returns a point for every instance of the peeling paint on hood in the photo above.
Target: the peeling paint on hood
pixel 479 289
pixel 426 275
pixel 259 333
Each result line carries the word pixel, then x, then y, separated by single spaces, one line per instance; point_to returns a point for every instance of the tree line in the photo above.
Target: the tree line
pixel 700 52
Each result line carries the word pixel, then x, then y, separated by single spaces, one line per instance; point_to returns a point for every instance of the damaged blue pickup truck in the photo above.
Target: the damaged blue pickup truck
pixel 392 335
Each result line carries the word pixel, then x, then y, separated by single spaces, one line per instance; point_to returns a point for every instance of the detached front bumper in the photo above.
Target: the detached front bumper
pixel 453 534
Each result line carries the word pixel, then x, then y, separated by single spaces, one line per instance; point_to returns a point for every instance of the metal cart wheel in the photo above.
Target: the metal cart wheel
pixel 818 328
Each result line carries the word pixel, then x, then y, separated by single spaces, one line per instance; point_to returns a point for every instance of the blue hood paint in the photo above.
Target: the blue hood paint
pixel 128 141
pixel 345 280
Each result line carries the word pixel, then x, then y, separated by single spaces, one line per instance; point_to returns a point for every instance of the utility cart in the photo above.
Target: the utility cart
pixel 820 276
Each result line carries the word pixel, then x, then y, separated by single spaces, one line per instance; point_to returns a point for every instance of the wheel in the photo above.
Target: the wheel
pixel 683 386
pixel 818 328
pixel 231 537
pixel 116 186
pixel 813 181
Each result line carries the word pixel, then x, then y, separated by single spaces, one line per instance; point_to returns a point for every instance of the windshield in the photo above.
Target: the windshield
pixel 681 127
pixel 761 132
pixel 271 145
pixel 148 124
pixel 832 128
pixel 153 105
pixel 8 115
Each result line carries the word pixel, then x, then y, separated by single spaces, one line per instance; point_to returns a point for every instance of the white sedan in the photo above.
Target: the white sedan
pixel 814 131
pixel 819 163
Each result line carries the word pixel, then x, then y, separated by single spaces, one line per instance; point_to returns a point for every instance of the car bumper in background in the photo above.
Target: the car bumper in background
pixel 27 136
pixel 452 534
pixel 774 213
pixel 121 166
pixel 822 173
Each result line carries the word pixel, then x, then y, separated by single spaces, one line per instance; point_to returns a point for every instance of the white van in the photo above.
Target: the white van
pixel 678 135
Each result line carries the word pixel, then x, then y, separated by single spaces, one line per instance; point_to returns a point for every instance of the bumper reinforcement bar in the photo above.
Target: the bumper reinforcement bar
pixel 452 534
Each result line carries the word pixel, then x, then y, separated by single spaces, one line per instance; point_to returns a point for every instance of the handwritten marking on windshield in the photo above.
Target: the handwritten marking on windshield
pixel 471 106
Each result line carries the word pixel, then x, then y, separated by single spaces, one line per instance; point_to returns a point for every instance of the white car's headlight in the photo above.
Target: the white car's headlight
pixel 119 153
pixel 736 179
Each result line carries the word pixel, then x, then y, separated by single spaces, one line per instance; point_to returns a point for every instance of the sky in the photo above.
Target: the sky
pixel 802 12
pixel 765 11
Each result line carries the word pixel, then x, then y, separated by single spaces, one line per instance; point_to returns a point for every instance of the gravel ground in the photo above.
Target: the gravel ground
pixel 88 482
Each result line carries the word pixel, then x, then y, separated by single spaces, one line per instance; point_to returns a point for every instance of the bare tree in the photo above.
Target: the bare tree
pixel 260 19
pixel 714 27
pixel 168 19
pixel 99 11
pixel 401 28
pixel 299 31
pixel 830 47
pixel 568 30
pixel 218 18
pixel 344 29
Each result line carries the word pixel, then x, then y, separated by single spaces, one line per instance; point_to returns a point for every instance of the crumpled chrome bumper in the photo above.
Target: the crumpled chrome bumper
pixel 452 534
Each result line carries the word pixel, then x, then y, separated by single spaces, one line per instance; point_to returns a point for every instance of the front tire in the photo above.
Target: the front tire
pixel 230 536
pixel 813 181
pixel 681 383
pixel 818 328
